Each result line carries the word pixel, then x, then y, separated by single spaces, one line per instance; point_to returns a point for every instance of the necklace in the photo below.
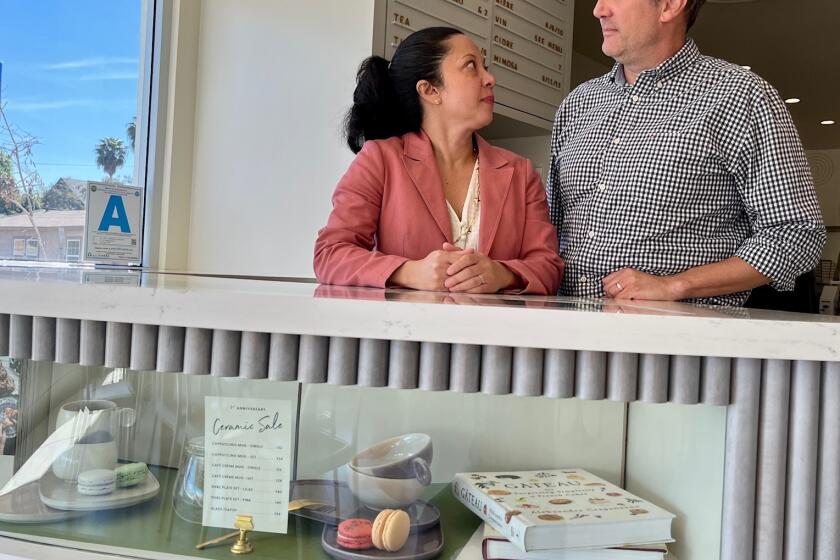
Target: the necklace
pixel 474 211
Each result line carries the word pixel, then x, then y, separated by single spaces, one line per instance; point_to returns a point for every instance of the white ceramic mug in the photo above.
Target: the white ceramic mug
pixel 81 457
pixel 110 418
pixel 94 436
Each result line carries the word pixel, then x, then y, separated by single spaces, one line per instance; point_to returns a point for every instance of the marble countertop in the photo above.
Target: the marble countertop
pixel 302 307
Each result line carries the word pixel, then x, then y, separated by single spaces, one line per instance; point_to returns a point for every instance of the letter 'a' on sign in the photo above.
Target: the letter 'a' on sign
pixel 114 215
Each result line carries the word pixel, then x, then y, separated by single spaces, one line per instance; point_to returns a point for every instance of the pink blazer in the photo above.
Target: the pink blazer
pixel 389 207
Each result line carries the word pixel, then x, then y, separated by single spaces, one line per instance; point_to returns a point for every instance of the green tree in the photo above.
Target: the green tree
pixel 131 132
pixel 7 183
pixel 61 197
pixel 20 182
pixel 110 155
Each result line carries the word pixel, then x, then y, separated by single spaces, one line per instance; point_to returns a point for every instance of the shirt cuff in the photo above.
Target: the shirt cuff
pixel 770 260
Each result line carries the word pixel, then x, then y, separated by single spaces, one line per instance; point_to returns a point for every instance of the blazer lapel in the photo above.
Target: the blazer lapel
pixel 421 167
pixel 494 179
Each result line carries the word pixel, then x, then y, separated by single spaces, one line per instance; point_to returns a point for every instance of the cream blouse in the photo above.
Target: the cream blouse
pixel 465 229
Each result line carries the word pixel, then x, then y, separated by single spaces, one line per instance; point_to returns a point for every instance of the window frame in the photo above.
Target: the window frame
pixel 32 241
pixel 78 254
pixel 15 253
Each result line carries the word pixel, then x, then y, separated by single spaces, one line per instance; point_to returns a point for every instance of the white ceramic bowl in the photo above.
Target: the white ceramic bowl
pixel 405 456
pixel 381 493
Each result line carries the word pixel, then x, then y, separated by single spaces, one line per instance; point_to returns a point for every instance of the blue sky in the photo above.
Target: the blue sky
pixel 70 73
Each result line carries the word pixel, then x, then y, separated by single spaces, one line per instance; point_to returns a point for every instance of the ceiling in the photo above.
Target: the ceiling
pixel 791 44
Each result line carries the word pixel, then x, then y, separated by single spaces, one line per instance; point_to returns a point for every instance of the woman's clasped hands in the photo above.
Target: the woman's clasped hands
pixel 451 269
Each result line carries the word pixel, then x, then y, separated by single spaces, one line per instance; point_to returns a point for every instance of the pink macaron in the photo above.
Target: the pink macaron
pixel 354 534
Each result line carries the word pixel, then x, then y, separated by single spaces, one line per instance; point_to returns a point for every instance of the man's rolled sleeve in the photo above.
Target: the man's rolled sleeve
pixel 777 189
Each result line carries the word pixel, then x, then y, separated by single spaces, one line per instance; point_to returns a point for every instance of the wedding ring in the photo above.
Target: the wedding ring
pixel 618 285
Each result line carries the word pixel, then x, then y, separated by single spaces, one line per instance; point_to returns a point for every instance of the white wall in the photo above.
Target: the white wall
pixel 535 148
pixel 274 81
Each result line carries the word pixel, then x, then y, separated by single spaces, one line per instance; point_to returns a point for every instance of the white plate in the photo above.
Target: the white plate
pixel 65 496
pixel 24 505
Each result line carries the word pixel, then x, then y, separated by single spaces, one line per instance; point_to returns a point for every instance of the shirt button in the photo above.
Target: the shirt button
pixel 635 98
pixel 658 85
pixel 616 141
pixel 602 186
pixel 583 279
pixel 591 234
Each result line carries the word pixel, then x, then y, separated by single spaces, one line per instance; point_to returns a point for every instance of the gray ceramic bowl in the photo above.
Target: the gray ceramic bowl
pixel 401 457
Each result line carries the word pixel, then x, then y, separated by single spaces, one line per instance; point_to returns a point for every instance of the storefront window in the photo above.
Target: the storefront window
pixel 73 110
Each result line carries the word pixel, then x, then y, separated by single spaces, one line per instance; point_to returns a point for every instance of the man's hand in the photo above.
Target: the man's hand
pixel 714 279
pixel 629 283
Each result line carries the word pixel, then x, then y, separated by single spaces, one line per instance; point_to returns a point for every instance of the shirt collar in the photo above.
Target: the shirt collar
pixel 683 58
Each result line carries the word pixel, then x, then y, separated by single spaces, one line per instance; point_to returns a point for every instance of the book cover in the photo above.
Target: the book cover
pixel 558 509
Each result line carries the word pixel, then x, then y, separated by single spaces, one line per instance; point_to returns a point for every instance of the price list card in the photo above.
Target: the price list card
pixel 247 462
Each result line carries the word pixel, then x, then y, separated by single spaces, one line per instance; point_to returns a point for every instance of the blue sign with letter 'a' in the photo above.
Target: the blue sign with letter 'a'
pixel 114 215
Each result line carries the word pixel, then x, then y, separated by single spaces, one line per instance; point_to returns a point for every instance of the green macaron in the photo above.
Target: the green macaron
pixel 131 474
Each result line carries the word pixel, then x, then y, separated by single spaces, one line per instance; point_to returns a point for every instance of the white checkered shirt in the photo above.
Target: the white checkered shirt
pixel 697 162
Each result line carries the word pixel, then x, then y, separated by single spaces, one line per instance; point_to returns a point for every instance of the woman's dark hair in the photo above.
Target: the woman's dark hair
pixel 385 102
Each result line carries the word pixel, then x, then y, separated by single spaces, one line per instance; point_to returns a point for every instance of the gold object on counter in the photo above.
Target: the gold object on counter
pixel 244 523
pixel 295 505
pixel 217 540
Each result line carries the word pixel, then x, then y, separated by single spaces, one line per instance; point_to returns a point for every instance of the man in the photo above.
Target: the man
pixel 677 176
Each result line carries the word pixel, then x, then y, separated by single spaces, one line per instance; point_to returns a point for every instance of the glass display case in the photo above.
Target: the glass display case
pixel 68 425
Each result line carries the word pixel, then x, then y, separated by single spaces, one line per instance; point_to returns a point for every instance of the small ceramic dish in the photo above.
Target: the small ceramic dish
pixel 419 546
pixel 401 457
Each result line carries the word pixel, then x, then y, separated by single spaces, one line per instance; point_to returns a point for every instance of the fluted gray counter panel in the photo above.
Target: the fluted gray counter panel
pixel 559 374
pixel 343 360
pixel 117 344
pixel 4 334
pixel 464 368
pixel 143 347
pixel 827 540
pixel 198 354
pixel 67 336
pixel 398 364
pixel 434 366
pixel 622 376
pixel 253 355
pixel 740 461
pixel 170 349
pixel 591 375
pixel 373 362
pixel 653 378
pixel 43 339
pixel 527 372
pixel 802 460
pixel 92 344
pixel 20 336
pixel 283 357
pixel 772 456
pixel 496 364
pixel 782 461
pixel 312 358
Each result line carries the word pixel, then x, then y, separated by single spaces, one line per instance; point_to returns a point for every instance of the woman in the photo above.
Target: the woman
pixel 427 203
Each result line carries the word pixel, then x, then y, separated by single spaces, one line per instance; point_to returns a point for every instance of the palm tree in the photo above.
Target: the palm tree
pixel 110 155
pixel 131 131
